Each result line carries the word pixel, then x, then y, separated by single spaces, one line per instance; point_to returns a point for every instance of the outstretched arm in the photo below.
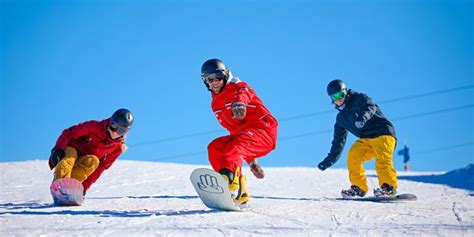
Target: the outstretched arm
pixel 242 98
pixel 338 142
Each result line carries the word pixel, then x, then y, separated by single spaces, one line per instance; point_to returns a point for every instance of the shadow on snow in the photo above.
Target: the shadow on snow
pixel 155 197
pixel 460 178
pixel 101 213
pixel 35 208
pixel 111 213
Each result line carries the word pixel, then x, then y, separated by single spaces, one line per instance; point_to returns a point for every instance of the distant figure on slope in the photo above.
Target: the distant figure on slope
pixel 84 151
pixel 252 128
pixel 359 115
pixel 405 152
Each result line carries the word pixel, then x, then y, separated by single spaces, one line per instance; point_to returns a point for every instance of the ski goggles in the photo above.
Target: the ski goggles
pixel 216 76
pixel 114 127
pixel 338 95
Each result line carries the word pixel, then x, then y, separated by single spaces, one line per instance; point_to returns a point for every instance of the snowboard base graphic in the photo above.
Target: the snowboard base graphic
pixel 213 190
pixel 67 192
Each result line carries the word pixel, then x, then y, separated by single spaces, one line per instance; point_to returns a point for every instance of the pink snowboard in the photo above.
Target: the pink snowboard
pixel 67 192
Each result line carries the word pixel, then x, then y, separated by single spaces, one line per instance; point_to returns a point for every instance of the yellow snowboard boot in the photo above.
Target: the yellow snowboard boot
pixel 233 180
pixel 243 196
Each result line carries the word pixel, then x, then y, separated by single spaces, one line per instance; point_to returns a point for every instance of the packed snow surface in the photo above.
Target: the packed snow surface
pixel 157 199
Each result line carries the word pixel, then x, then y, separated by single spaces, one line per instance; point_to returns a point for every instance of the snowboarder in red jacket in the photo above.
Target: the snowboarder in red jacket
pixel 252 128
pixel 84 151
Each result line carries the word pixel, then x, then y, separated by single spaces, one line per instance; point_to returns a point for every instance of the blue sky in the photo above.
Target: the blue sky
pixel 64 62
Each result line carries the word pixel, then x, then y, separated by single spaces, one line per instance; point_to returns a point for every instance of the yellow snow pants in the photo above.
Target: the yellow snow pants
pixel 363 150
pixel 78 168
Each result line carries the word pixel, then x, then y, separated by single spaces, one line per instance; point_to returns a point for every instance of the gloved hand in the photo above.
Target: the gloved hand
pixel 323 165
pixel 359 124
pixel 239 110
pixel 56 155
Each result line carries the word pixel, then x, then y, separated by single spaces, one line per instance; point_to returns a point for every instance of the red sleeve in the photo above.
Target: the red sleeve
pixel 244 93
pixel 104 164
pixel 75 132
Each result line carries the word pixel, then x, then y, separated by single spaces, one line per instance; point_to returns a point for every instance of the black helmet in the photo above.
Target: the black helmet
pixel 336 86
pixel 121 121
pixel 214 66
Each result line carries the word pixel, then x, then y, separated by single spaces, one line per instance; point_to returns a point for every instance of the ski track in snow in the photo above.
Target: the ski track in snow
pixel 143 198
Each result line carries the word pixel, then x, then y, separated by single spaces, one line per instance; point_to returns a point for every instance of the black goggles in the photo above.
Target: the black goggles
pixel 118 129
pixel 216 76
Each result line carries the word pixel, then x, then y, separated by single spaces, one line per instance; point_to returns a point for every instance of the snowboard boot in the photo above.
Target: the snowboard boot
pixel 256 169
pixel 243 198
pixel 353 191
pixel 233 180
pixel 386 190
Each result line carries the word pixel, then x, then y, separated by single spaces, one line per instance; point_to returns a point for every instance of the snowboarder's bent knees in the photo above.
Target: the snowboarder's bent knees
pixel 359 115
pixel 252 128
pixel 72 166
pixel 85 150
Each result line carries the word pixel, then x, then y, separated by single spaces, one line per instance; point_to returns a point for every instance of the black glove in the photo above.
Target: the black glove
pixel 56 155
pixel 239 110
pixel 325 164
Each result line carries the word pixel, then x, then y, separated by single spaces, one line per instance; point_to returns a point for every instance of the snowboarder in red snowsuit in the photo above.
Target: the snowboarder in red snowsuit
pixel 252 128
pixel 84 151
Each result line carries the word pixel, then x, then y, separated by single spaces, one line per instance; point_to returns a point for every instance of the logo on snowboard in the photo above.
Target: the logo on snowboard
pixel 208 183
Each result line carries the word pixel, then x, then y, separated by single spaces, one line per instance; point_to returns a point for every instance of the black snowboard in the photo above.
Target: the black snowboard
pixel 396 198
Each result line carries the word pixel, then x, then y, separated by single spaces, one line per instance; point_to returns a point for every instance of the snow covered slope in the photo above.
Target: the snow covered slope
pixel 142 198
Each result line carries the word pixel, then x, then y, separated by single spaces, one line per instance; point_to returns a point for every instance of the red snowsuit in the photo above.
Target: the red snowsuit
pixel 91 138
pixel 251 137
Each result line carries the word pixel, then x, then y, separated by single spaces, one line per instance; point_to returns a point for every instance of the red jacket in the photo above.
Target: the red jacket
pixel 91 138
pixel 257 116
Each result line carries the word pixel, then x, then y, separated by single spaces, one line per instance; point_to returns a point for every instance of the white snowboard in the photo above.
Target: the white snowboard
pixel 213 189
